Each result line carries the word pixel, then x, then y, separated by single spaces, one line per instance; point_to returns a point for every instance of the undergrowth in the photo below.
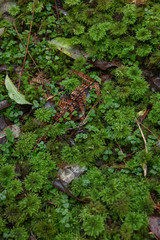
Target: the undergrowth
pixel 110 144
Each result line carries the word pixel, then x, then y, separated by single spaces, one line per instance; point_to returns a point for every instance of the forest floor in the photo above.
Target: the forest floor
pixel 79 120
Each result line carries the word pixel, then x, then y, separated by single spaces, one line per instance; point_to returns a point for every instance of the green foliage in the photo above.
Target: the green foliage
pixel 43 114
pixel 93 225
pixel 30 205
pixel 120 121
pixel 19 233
pixel 139 88
pixel 97 32
pixel 38 6
pixel 34 182
pixel 7 173
pixel 143 34
pixel 25 144
pixel 14 10
pixel 42 163
pixel 70 84
pixel 109 144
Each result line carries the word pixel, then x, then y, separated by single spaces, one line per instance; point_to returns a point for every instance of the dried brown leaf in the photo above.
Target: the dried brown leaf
pixel 77 98
pixel 154 225
pixel 4 104
pixel 40 79
pixel 103 65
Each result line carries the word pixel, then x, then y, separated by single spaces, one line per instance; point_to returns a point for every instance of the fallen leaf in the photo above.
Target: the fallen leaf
pixel 14 128
pixel 144 166
pixel 142 114
pixel 3 68
pixel 154 225
pixel 66 46
pixel 2 31
pixel 106 77
pixel 4 104
pixel 103 65
pixel 40 79
pixel 13 92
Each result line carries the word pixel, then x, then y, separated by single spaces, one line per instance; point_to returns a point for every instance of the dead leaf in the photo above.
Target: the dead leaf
pixel 3 68
pixel 14 128
pixel 40 79
pixel 140 2
pixel 77 98
pixel 106 77
pixel 4 104
pixel 70 172
pixel 103 65
pixel 143 114
pixel 144 166
pixel 154 225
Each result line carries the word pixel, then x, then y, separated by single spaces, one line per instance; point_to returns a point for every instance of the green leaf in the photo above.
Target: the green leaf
pixel 65 45
pixel 13 92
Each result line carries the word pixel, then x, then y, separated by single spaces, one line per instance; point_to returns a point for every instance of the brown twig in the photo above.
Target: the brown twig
pixel 29 35
pixel 24 45
pixel 149 131
pixel 144 140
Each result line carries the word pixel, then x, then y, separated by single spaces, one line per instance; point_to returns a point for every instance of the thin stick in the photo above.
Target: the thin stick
pixel 149 131
pixel 145 143
pixel 24 45
pixel 29 35
pixel 144 166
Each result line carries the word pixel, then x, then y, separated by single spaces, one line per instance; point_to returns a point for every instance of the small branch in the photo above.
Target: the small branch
pixel 144 166
pixel 150 131
pixel 145 143
pixel 29 35
pixel 24 45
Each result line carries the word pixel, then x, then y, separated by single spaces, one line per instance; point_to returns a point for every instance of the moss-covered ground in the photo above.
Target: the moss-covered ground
pixel 100 111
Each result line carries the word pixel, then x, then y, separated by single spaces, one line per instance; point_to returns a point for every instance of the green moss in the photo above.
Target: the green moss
pixel 109 144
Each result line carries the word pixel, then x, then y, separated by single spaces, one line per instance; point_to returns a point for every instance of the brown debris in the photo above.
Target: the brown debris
pixel 77 98
pixel 154 225
pixel 4 104
pixel 40 79
pixel 103 65
pixel 106 77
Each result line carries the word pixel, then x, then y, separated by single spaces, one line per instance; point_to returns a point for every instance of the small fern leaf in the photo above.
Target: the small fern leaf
pixel 13 92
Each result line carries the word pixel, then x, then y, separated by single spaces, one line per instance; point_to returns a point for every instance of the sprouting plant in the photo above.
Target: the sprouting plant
pixel 7 173
pixel 139 87
pixel 143 34
pixel 129 12
pixel 26 143
pixel 34 182
pixel 19 233
pixel 38 6
pixel 14 10
pixel 45 229
pixel 30 205
pixel 120 125
pixel 134 73
pixel 70 84
pixel 97 31
pixel 93 225
pixel 143 50
pixel 43 114
pixel 12 213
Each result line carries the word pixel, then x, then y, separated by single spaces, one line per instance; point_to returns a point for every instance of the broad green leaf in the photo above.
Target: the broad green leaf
pixel 65 45
pixel 13 92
